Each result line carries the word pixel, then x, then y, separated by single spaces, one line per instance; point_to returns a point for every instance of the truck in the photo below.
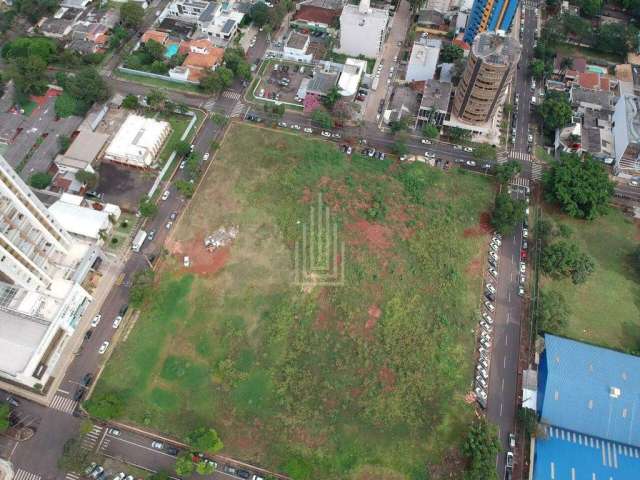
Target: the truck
pixel 138 240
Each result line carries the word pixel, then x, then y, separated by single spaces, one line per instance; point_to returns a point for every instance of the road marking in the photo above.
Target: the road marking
pixel 24 475
pixel 501 409
pixel 504 362
pixel 63 404
pixel 506 340
pixel 143 446
pixel 71 476
pixel 509 297
pixel 63 391
pixel 502 387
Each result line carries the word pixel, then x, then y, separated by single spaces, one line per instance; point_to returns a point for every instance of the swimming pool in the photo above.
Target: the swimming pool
pixel 596 69
pixel 171 50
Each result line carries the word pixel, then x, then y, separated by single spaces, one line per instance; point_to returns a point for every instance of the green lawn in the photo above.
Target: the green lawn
pixel 158 83
pixel 349 381
pixel 605 309
pixel 178 125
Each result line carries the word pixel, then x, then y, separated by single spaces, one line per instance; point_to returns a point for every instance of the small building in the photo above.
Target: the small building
pixel 363 30
pixel 423 60
pixel 83 222
pixel 202 57
pixel 155 35
pixel 351 76
pixel 316 16
pixel 587 402
pixel 220 22
pixel 322 82
pixel 138 141
pixel 82 153
pixel 188 10
pixel 55 27
pixel 434 105
pixel 295 48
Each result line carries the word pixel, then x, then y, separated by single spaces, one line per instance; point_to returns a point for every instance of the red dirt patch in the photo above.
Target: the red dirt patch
pixel 483 227
pixel 474 268
pixel 306 195
pixel 376 236
pixel 374 314
pixel 202 261
pixel 387 378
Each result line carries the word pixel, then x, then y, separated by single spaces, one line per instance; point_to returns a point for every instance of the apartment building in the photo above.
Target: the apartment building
pixel 489 15
pixel 41 271
pixel 362 30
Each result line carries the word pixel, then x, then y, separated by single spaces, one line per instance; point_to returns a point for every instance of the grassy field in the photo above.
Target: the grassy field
pixel 363 379
pixel 158 83
pixel 605 309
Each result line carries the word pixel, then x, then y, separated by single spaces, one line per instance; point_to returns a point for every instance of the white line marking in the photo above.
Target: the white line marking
pixel 504 362
pixel 506 340
pixel 502 387
pixel 63 391
pixel 501 409
pixel 143 446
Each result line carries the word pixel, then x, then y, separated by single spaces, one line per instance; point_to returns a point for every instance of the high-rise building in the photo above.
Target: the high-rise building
pixel 363 29
pixel 489 70
pixel 41 270
pixel 489 15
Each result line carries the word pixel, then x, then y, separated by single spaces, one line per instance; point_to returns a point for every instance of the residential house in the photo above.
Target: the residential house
pixel 55 27
pixel 363 30
pixel 317 16
pixel 155 35
pixel 220 22
pixel 189 10
pixel 202 56
pixel 295 47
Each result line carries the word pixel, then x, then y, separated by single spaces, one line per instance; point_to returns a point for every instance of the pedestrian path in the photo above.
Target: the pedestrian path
pixel 231 94
pixel 520 156
pixel 24 475
pixel 90 439
pixel 536 171
pixel 520 182
pixel 238 110
pixel 63 404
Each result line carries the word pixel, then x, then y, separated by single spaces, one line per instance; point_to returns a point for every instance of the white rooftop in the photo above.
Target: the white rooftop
pixel 351 75
pixel 79 220
pixel 19 338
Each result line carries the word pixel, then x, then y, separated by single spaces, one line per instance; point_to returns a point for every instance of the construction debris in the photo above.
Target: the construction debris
pixel 220 238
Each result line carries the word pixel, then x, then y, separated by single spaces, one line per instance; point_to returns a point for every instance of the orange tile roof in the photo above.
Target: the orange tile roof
pixel 159 37
pixel 210 59
pixel 593 81
pixel 461 43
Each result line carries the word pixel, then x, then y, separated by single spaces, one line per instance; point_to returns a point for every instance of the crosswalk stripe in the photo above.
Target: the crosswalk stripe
pixel 63 404
pixel 231 94
pixel 71 476
pixel 520 156
pixel 24 475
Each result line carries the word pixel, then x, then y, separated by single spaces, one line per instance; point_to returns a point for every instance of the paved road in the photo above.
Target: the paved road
pixel 501 404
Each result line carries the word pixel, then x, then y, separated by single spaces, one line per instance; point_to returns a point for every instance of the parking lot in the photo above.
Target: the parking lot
pixel 281 81
pixel 123 185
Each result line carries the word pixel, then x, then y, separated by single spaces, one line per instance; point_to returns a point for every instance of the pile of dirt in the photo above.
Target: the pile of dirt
pixel 201 261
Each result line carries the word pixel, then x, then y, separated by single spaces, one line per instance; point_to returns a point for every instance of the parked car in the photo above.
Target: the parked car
pixel 243 474
pixel 482 372
pixel 326 134
pixel 96 320
pixel 523 267
pixel 468 149
pixel 512 440
pixel 487 318
pixel 103 347
pixel 97 472
pixel 183 164
pixel 489 306
pixel 485 326
pixel 205 157
pixel 509 459
pixel 481 381
pixel 88 334
pixel 165 195
pixel 521 290
pixel 307 130
pixel 168 225
pixel 493 272
pixel 493 247
pixel 484 362
pixel 230 470
pixel 90 468
pixel 429 154
pixel 523 279
pixel 171 450
pixel 173 215
pixel 490 296
pixel 79 394
pixel 480 393
pixel 496 240
pixel 524 244
pixel 525 233
pixel 425 141
pixel 157 445
pixel 86 379
pixel 117 321
pixel 114 431
pixel 490 287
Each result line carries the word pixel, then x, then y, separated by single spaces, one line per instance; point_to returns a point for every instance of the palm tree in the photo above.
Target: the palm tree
pixel 332 96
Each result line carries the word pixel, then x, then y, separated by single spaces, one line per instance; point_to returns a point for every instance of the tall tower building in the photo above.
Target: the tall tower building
pixel 41 268
pixel 489 70
pixel 489 15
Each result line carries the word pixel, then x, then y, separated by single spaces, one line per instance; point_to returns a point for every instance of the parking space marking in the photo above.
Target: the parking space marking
pixel 143 446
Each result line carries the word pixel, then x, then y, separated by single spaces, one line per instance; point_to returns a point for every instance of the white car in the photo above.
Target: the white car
pixel 336 135
pixel 525 233
pixel 168 225
pixel 497 235
pixel 530 138
pixel 485 326
pixel 482 372
pixel 485 342
pixel 117 321
pixel 468 149
pixel 425 141
pixel 493 272
pixel 326 134
pixel 484 353
pixel 520 290
pixel 157 445
pixel 103 347
pixel 429 155
pixel 206 157
pixel 493 255
pixel 480 393
pixel 470 163
pixel 523 267
pixel 307 130
pixel 96 320
pixel 457 147
pixel 182 164
pixel 489 306
pixel 165 195
pixel 493 247
pixel 114 431
pixel 481 381
pixel 295 127
pixel 484 363
pixel 487 318
pixel 634 183
pixel 491 288
pixel 526 211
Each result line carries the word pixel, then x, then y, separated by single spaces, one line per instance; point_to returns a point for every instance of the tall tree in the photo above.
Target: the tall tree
pixel 450 53
pixel 564 259
pixel 507 213
pixel 481 448
pixel 508 170
pixel 131 14
pixel 552 314
pixel 556 111
pixel 29 75
pixel 332 96
pixel 259 14
pixel 205 439
pixel 154 49
pixel 581 187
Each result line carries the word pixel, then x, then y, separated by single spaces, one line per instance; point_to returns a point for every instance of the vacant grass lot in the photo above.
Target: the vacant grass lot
pixel 362 380
pixel 605 309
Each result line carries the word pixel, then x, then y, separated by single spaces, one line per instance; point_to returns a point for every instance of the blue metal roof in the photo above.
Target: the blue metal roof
pixel 569 455
pixel 591 390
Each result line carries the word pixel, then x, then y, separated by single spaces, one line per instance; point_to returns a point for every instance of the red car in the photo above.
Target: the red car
pixel 523 254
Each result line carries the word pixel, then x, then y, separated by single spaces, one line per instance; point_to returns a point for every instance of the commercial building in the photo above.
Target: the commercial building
pixel 489 15
pixel 41 271
pixel 295 48
pixel 626 134
pixel 362 30
pixel 138 141
pixel 434 105
pixel 83 221
pixel 351 76
pixel 588 406
pixel 423 60
pixel 488 72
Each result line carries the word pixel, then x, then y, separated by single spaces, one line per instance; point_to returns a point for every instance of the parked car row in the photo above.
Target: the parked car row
pixel 481 381
pixel 372 152
pixel 228 469
pixel 97 472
